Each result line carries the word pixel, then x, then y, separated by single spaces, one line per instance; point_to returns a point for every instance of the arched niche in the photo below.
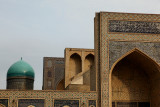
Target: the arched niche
pixel 89 62
pixel 135 81
pixel 60 85
pixel 89 77
pixel 75 65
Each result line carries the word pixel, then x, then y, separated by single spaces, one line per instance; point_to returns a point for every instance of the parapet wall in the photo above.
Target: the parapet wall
pixel 47 98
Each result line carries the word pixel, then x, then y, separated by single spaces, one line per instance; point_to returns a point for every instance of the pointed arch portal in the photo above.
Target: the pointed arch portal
pixel 135 81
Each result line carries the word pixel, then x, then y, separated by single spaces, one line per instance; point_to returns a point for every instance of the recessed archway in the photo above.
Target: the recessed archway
pixel 75 67
pixel 135 80
pixel 89 75
pixel 75 64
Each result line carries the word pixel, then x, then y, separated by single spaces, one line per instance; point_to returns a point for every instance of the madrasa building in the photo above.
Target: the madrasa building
pixel 121 71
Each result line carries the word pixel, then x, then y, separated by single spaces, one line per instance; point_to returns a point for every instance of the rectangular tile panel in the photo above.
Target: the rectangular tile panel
pixel 30 102
pixel 66 103
pixel 134 27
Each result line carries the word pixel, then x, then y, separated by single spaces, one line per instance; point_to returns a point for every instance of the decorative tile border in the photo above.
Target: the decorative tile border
pixel 142 27
pixel 47 95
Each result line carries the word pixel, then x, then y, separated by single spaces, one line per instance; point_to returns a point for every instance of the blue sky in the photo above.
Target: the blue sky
pixel 34 29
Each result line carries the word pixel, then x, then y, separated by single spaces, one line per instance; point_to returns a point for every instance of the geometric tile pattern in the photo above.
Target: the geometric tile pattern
pixel 118 48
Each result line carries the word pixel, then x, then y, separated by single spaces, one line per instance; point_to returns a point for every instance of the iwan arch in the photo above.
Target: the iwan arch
pixel 134 80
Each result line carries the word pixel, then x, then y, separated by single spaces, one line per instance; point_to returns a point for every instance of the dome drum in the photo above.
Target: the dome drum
pixel 20 77
pixel 20 83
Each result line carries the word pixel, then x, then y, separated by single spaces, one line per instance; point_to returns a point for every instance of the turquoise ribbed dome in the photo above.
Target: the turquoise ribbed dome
pixel 20 69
